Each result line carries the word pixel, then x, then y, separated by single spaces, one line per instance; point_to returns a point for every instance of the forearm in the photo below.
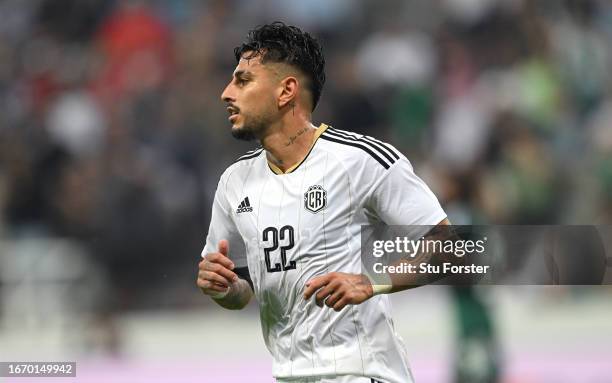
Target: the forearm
pixel 415 277
pixel 238 296
pixel 406 281
pixel 394 282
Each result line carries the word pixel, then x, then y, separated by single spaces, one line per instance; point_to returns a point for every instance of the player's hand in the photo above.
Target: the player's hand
pixel 337 290
pixel 215 273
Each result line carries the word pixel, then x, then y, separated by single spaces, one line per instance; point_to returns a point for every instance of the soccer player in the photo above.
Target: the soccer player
pixel 286 220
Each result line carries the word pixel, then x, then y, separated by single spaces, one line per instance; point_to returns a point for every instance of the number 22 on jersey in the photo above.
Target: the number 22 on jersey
pixel 282 239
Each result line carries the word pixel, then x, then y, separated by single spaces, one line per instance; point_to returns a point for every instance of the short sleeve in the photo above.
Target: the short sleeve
pixel 222 226
pixel 402 198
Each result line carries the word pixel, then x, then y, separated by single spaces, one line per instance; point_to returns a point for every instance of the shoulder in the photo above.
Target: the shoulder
pixel 353 147
pixel 242 163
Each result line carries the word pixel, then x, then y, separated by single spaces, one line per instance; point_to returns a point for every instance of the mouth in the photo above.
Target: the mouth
pixel 232 110
pixel 233 113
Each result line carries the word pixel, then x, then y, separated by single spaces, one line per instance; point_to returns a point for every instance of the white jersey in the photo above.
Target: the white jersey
pixel 290 227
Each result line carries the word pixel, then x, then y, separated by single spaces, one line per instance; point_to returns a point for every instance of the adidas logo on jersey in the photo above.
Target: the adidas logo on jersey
pixel 244 207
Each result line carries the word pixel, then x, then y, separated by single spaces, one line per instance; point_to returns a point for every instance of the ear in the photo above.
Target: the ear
pixel 288 91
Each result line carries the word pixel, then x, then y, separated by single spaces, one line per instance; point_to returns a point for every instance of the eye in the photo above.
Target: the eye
pixel 241 81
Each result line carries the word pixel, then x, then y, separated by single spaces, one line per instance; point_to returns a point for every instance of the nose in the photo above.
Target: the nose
pixel 227 95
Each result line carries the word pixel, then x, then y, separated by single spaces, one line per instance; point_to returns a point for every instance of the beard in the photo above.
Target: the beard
pixel 251 129
pixel 243 134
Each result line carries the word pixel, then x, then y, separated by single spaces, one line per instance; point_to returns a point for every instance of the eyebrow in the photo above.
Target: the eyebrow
pixel 242 73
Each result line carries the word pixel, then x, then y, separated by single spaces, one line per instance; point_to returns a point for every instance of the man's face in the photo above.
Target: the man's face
pixel 251 98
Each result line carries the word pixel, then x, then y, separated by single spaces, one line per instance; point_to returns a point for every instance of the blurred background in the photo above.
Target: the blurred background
pixel 113 137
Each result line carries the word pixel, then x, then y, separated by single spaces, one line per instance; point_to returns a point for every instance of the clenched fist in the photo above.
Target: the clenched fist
pixel 215 274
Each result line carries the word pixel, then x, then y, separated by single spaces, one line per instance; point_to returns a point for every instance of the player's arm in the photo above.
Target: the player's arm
pixel 442 232
pixel 337 290
pixel 398 198
pixel 401 198
pixel 223 275
pixel 218 277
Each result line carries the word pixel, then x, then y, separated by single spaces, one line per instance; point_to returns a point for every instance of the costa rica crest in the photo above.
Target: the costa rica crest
pixel 315 198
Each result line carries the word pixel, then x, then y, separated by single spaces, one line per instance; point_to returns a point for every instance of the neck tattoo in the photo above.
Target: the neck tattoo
pixel 293 138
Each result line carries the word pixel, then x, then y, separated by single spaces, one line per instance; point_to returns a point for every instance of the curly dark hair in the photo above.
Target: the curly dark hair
pixel 281 43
